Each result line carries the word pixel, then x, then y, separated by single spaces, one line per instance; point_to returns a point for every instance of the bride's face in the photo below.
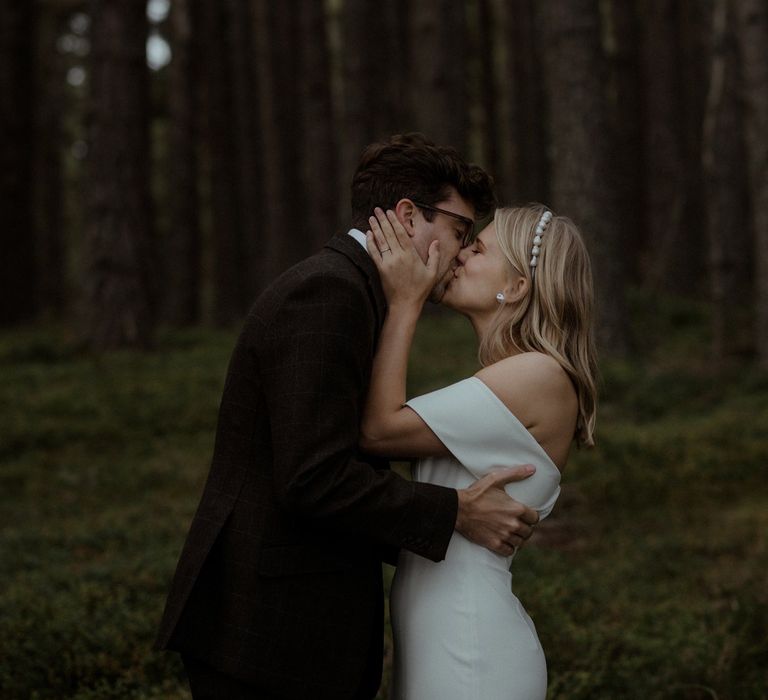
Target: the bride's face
pixel 482 272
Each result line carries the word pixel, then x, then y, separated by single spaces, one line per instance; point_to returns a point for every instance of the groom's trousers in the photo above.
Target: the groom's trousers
pixel 206 683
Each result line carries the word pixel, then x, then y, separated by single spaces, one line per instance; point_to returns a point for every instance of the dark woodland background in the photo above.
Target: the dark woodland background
pixel 138 194
pixel 162 161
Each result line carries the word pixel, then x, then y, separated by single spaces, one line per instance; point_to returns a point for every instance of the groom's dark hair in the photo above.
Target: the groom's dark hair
pixel 412 166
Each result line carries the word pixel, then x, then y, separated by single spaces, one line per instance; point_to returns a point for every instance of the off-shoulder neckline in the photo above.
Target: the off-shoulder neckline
pixel 515 420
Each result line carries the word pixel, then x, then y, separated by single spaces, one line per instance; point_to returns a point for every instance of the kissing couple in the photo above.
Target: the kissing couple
pixel 278 591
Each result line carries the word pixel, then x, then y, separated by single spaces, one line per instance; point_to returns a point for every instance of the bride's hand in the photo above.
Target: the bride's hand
pixel 404 276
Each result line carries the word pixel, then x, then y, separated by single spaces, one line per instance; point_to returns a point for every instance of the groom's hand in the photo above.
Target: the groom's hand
pixel 490 518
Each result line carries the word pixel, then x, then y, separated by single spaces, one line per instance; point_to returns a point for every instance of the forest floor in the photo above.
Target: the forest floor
pixel 649 580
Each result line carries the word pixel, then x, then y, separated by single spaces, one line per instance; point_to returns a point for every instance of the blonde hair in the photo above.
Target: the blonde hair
pixel 555 316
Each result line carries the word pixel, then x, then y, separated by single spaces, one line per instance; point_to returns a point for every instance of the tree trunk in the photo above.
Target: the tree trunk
pixel 222 164
pixel 183 283
pixel 248 147
pixel 437 71
pixel 622 41
pixel 668 249
pixel 694 34
pixel 18 301
pixel 373 51
pixel 726 193
pixel 120 272
pixel 498 129
pixel 320 155
pixel 583 183
pixel 529 104
pixel 752 33
pixel 285 214
pixel 50 79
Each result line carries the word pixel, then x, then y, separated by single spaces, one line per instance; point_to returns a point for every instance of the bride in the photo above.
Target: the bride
pixel 525 284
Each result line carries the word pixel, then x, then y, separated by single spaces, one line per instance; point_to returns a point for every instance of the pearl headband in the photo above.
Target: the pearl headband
pixel 546 217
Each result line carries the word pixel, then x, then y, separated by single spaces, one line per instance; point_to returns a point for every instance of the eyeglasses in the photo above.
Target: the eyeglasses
pixel 469 226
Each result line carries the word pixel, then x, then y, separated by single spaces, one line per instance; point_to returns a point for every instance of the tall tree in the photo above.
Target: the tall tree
pixel 373 55
pixel 50 108
pixel 183 247
pixel 621 37
pixel 752 33
pixel 496 81
pixel 437 71
pixel 583 185
pixel 285 211
pixel 221 165
pixel 668 249
pixel 318 128
pixel 18 302
pixel 529 103
pixel 723 162
pixel 694 36
pixel 119 229
pixel 248 144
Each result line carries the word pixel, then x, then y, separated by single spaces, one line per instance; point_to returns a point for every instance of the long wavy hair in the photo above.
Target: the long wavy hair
pixel 556 315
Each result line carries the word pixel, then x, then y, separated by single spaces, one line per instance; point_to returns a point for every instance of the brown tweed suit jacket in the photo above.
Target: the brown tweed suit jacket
pixel 279 582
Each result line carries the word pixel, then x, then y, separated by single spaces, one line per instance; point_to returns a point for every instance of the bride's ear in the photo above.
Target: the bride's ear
pixel 404 211
pixel 516 288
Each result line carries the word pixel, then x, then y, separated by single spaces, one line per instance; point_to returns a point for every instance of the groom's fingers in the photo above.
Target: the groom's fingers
pixel 506 475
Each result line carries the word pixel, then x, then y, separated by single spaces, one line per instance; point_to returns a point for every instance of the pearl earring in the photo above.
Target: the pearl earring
pixel 500 297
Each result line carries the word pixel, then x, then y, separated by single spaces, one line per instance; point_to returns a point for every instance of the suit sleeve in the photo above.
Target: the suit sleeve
pixel 315 357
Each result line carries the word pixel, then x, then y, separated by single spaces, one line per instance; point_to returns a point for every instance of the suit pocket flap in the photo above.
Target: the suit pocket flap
pixel 287 560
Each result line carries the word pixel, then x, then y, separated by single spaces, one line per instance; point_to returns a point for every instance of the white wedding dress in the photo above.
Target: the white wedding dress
pixel 459 631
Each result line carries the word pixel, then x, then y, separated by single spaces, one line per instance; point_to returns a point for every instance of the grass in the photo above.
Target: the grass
pixel 650 580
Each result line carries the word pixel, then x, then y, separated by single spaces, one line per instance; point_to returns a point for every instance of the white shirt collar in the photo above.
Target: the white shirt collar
pixel 359 236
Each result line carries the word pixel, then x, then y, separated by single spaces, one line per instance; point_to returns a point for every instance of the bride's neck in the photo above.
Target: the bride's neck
pixel 481 323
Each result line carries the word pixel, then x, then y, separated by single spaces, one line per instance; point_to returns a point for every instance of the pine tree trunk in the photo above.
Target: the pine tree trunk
pixel 320 154
pixel 583 183
pixel 221 147
pixel 498 129
pixel 248 146
pixel 285 214
pixel 373 51
pixel 183 282
pixel 668 250
pixel 50 80
pixel 726 193
pixel 752 33
pixel 437 71
pixel 694 34
pixel 119 229
pixel 529 104
pixel 18 300
pixel 622 39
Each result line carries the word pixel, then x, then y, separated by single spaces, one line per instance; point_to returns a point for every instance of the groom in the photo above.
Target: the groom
pixel 278 591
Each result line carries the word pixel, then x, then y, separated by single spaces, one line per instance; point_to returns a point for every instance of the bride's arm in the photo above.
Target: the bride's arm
pixel 388 427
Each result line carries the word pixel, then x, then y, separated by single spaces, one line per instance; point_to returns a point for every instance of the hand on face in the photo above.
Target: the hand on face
pixel 404 276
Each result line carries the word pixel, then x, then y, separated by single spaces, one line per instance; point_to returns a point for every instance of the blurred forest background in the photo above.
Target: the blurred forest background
pixel 173 190
pixel 162 161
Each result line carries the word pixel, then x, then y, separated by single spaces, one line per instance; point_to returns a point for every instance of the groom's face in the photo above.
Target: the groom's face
pixel 448 230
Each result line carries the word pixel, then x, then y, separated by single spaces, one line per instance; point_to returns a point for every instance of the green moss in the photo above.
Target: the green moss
pixel 648 581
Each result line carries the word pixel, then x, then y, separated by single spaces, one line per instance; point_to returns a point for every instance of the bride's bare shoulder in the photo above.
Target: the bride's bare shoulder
pixel 527 381
pixel 527 367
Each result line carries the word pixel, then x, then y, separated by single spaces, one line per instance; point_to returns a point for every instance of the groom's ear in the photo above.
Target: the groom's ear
pixel 404 211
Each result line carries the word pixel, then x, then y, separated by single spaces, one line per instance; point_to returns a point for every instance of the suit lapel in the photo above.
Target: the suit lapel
pixel 346 245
